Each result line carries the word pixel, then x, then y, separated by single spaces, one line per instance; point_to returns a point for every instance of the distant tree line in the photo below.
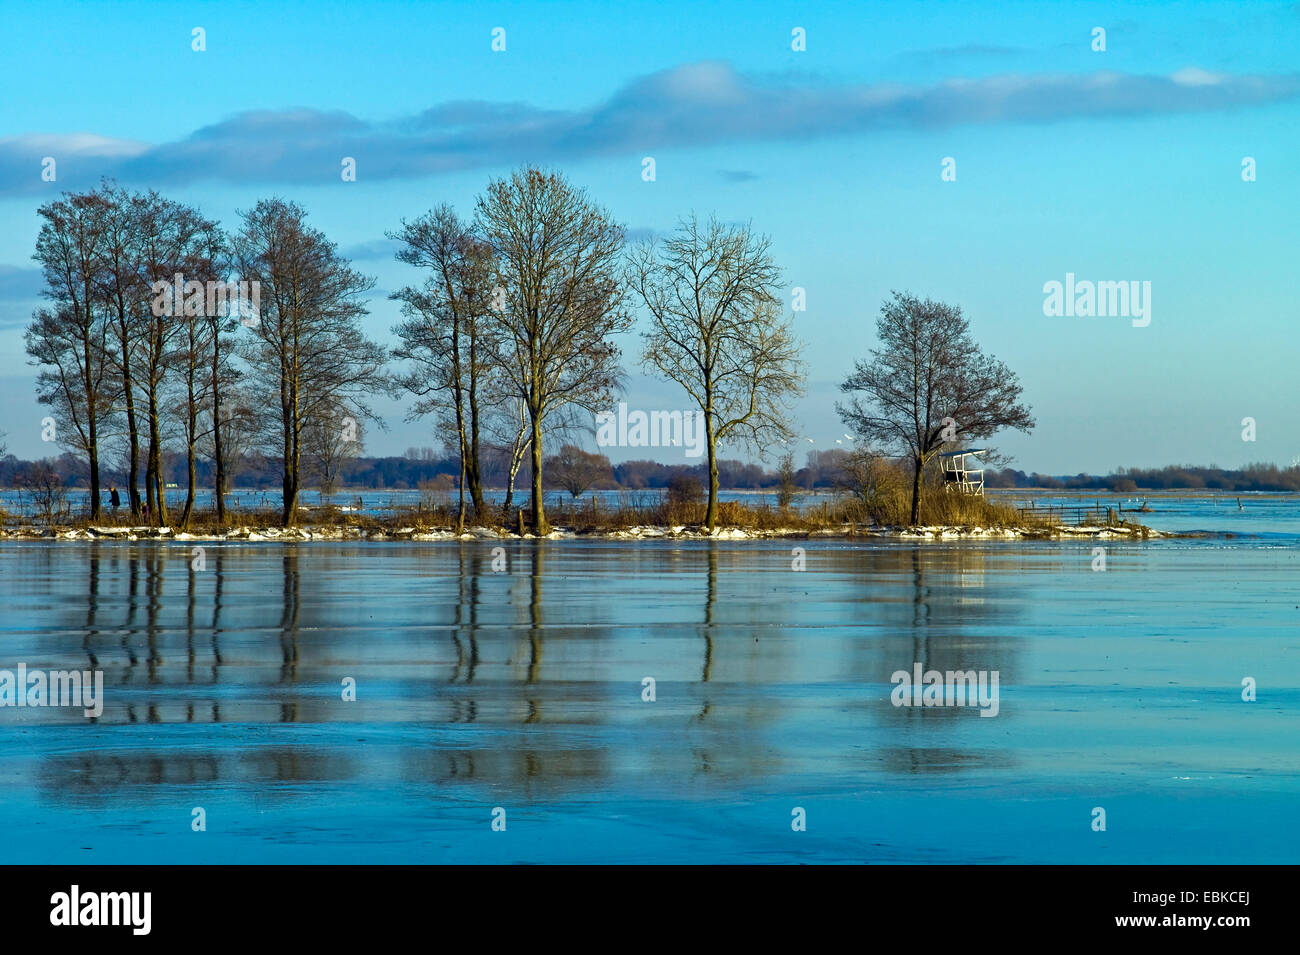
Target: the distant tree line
pixel 422 467
pixel 1183 477
pixel 823 470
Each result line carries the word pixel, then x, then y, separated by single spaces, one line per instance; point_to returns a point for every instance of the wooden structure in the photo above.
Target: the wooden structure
pixel 961 472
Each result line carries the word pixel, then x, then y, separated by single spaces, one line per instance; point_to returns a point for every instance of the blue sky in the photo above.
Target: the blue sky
pixel 1115 165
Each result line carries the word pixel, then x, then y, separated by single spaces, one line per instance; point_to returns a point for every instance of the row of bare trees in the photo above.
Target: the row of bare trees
pixel 112 370
pixel 508 339
pixel 523 303
pixel 142 343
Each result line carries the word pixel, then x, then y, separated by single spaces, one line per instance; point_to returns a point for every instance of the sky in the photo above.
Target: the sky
pixel 1124 164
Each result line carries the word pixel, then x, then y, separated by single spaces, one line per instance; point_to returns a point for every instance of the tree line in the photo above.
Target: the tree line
pixel 256 471
pixel 824 470
pixel 139 348
pixel 164 336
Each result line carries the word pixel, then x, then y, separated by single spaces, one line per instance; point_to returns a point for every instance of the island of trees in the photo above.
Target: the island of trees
pixel 174 352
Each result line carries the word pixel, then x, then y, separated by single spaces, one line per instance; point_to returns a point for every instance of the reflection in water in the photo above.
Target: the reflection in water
pixel 757 666
pixel 466 626
pixel 92 610
pixel 710 597
pixel 535 625
pixel 942 760
pixel 289 630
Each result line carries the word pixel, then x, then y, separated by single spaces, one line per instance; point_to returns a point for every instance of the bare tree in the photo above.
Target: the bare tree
pixel 577 470
pixel 195 386
pixel 44 489
pixel 445 329
pixel 68 341
pixel 929 384
pixel 331 440
pixel 310 349
pixel 869 477
pixel 127 299
pixel 561 300
pixel 786 486
pixel 173 238
pixel 230 416
pixel 717 330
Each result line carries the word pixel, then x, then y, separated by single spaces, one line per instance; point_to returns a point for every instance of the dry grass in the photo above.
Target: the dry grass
pixel 887 504
pixel 887 510
pixel 880 492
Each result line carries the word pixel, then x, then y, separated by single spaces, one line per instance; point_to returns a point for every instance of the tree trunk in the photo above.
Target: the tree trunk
pixel 916 491
pixel 517 452
pixel 92 430
pixel 159 505
pixel 540 527
pixel 192 425
pixel 475 466
pixel 516 462
pixel 191 434
pixel 459 397
pixel 460 515
pixel 217 454
pixel 189 493
pixel 133 438
pixel 150 504
pixel 289 412
pixel 219 478
pixel 473 474
pixel 287 490
pixel 290 497
pixel 290 484
pixel 94 474
pixel 711 515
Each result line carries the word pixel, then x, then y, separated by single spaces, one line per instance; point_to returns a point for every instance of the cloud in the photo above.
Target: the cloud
pixel 372 251
pixel 20 282
pixel 694 105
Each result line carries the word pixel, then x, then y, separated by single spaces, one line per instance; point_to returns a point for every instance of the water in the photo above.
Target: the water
pixel 523 690
pixel 1266 515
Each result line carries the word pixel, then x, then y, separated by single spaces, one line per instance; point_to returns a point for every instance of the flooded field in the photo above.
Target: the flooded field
pixel 511 685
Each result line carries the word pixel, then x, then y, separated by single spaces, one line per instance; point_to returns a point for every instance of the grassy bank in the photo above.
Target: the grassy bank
pixel 846 514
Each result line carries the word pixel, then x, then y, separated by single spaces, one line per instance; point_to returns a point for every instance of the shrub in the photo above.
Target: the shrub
pixel 786 486
pixel 684 489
